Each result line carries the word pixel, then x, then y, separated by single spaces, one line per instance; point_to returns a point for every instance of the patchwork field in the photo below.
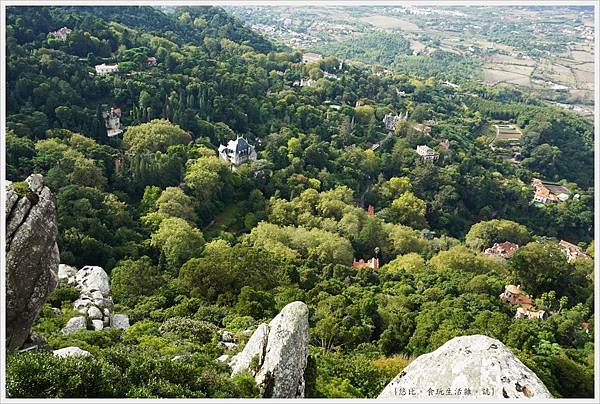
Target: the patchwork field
pixel 586 78
pixel 494 76
pixel 587 67
pixel 582 56
pixel 416 45
pixel 510 60
pixel 385 22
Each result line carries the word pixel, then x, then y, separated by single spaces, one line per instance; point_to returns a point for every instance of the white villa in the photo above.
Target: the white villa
pixel 105 69
pixel 61 34
pixel 237 151
pixel 390 120
pixel 305 83
pixel 427 153
pixel 332 76
pixel 112 121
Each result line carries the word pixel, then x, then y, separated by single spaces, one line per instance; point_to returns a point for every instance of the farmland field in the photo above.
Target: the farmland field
pixel 522 49
pixel 585 76
pixel 582 56
pixel 511 60
pixel 382 21
pixel 493 76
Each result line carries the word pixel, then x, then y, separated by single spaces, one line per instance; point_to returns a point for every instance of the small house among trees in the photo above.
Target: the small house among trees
pixel 305 83
pixel 547 192
pixel 391 120
pixel 61 34
pixel 309 57
pixel 444 144
pixel 237 151
pixel 512 295
pixel 572 251
pixel 427 153
pixel 112 120
pixel 419 127
pixel 360 264
pixel 502 250
pixel 104 69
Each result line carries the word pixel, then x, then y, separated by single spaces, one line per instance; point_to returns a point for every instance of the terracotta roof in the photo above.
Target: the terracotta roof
pixel 525 301
pixel 515 290
pixel 504 250
pixel 572 251
pixel 372 263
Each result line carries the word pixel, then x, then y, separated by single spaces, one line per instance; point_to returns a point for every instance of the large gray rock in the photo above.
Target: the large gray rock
pixel 67 272
pixel 94 313
pixel 119 321
pixel 97 324
pixel 281 352
pixel 32 256
pixel 226 336
pixel 72 351
pixel 74 324
pixel 92 278
pixel 256 346
pixel 483 365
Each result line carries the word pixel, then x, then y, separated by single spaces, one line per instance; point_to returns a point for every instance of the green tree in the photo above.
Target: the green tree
pixel 178 241
pixel 459 258
pixel 255 303
pixel 207 176
pixel 174 202
pixel 484 234
pixel 541 267
pixel 156 135
pixel 132 278
pixel 409 210
pixel 222 272
pixel 364 114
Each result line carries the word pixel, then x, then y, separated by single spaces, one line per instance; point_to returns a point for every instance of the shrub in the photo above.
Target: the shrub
pixel 238 323
pixel 244 385
pixel 139 329
pixel 88 340
pixel 63 295
pixel 43 375
pixel 196 331
pixel 213 314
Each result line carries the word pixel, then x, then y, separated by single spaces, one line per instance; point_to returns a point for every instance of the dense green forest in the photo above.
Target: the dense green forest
pixel 192 246
pixel 379 48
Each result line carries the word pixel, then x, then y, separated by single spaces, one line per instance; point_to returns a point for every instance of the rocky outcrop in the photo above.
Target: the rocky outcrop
pixel 277 353
pixel 32 255
pixel 93 279
pixel 475 366
pixel 94 302
pixel 255 347
pixel 68 273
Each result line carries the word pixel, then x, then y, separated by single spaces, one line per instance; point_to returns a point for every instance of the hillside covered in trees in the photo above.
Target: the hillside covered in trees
pixel 193 246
